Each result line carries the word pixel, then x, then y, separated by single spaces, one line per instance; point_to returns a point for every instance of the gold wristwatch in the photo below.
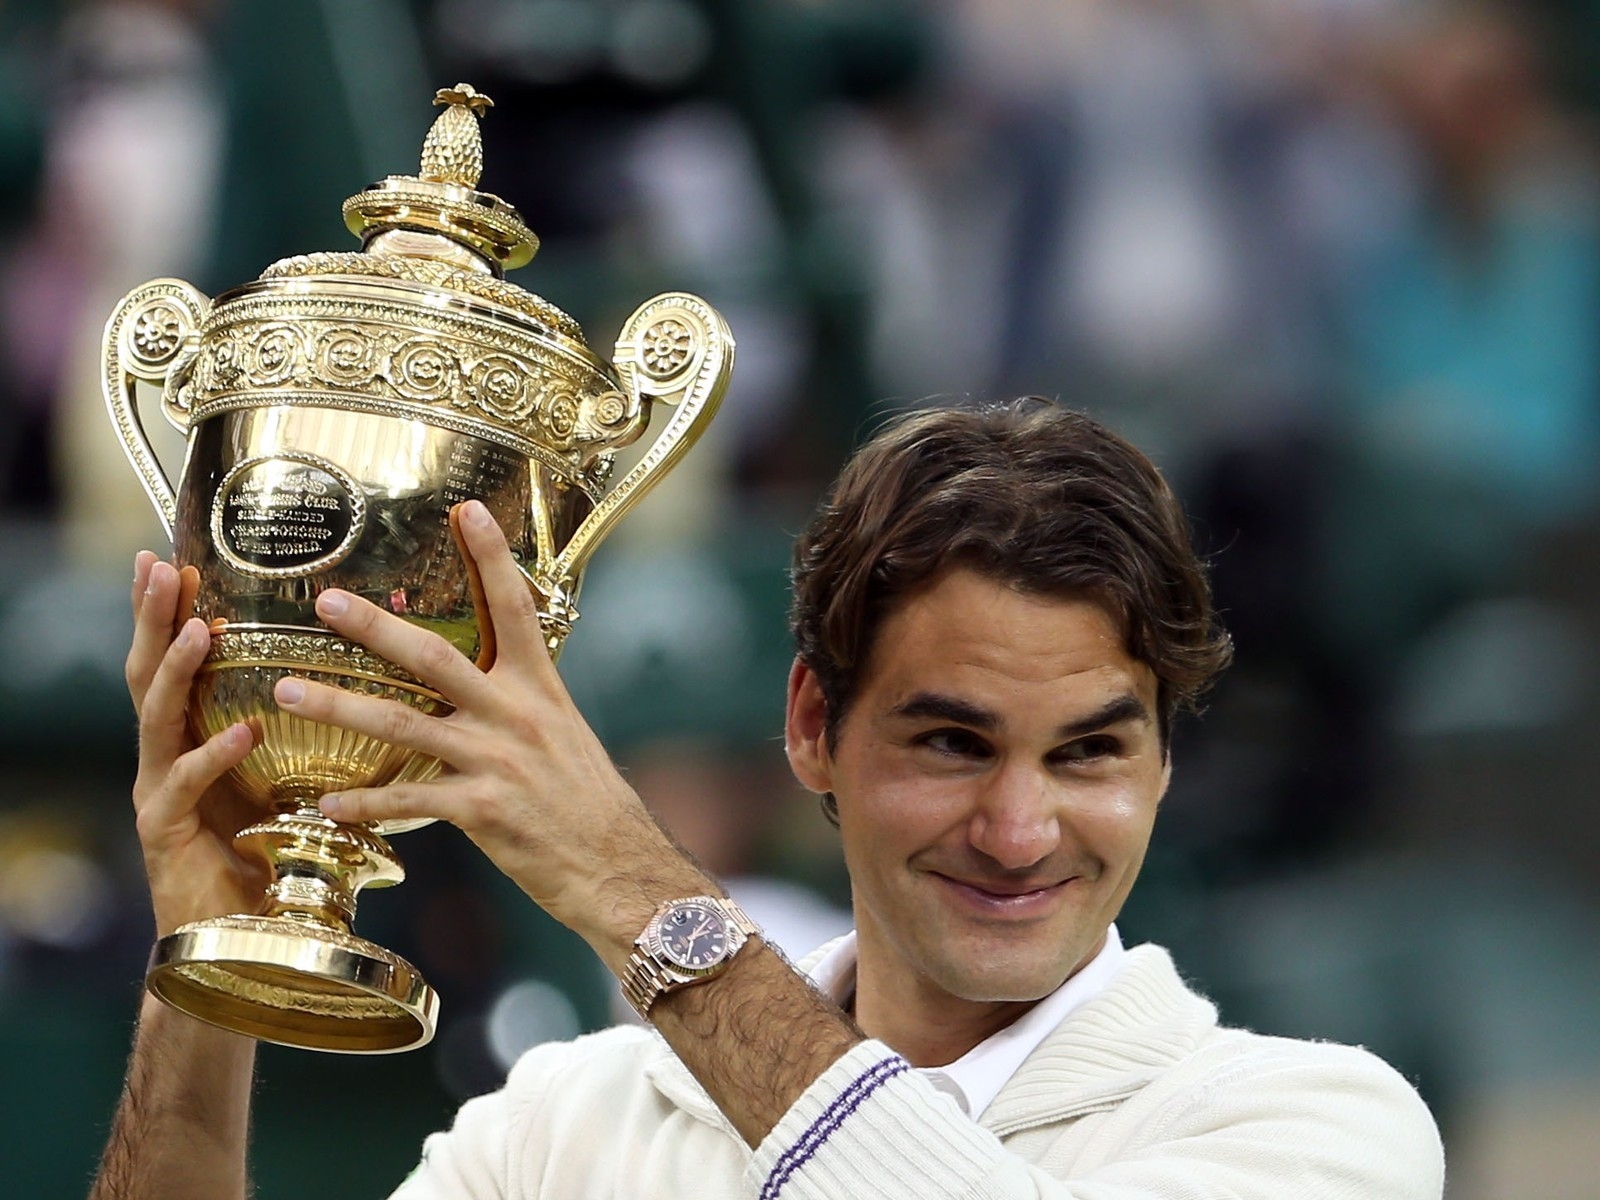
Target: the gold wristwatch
pixel 686 941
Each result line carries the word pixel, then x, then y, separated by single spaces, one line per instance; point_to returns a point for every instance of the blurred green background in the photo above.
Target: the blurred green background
pixel 1336 263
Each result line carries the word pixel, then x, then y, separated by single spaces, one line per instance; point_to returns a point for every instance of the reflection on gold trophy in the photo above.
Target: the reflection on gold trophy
pixel 336 410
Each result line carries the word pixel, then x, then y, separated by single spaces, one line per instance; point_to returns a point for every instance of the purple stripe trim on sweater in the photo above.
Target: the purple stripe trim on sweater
pixel 845 1103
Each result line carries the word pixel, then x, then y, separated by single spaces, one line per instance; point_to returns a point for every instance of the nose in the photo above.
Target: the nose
pixel 1016 822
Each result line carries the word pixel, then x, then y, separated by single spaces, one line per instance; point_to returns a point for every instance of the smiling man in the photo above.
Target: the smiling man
pixel 998 614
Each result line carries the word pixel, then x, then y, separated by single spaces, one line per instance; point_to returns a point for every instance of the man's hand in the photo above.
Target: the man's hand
pixel 185 813
pixel 529 782
pixel 526 778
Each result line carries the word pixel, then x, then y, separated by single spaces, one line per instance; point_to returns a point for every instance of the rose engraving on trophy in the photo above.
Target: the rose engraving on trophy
pixel 345 357
pixel 221 365
pixel 157 333
pixel 560 412
pixel 277 354
pixel 424 369
pixel 666 348
pixel 502 386
pixel 610 409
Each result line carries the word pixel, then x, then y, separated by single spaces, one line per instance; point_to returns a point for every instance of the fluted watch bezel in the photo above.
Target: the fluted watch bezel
pixel 671 953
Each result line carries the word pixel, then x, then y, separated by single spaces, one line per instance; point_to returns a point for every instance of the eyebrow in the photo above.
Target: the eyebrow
pixel 923 705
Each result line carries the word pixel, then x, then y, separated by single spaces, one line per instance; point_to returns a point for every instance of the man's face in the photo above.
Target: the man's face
pixel 997 777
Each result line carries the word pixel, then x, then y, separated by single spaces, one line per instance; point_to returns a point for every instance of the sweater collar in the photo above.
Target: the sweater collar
pixel 975 1078
pixel 1140 1025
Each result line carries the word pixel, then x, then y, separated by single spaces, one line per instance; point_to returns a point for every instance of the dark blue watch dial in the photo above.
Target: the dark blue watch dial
pixel 694 936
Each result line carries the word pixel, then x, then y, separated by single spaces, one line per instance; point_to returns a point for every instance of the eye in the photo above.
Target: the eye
pixel 1090 749
pixel 955 742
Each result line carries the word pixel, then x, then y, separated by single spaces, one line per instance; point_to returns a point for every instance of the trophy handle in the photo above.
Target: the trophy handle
pixel 153 335
pixel 676 349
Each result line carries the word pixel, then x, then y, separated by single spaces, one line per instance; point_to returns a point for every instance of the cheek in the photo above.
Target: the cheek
pixel 893 812
pixel 1112 820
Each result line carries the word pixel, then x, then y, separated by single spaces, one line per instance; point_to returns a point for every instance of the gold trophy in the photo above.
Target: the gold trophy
pixel 336 410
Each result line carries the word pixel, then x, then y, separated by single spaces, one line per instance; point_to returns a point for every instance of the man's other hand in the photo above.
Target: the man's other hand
pixel 185 811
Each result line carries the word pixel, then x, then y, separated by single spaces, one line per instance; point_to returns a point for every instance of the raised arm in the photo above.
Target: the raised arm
pixel 532 786
pixel 181 1125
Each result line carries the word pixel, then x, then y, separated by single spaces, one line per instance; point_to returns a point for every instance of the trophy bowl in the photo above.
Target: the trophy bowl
pixel 337 410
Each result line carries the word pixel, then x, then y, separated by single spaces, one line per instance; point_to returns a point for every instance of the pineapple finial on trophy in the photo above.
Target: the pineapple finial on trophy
pixel 453 151
pixel 443 197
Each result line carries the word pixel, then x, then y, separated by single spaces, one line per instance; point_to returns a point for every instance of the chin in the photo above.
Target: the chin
pixel 998 985
pixel 1023 971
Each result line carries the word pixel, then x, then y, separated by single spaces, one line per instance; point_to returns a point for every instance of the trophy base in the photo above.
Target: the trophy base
pixel 296 983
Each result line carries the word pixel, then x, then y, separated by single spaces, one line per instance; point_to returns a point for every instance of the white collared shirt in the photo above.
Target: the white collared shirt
pixel 977 1076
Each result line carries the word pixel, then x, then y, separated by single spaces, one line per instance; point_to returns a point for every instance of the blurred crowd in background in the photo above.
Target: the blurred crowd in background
pixel 1335 263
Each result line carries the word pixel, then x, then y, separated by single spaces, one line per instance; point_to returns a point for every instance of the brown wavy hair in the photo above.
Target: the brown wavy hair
pixel 1029 493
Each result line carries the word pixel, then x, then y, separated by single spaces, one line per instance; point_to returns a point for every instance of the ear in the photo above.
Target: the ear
pixel 805 727
pixel 1166 775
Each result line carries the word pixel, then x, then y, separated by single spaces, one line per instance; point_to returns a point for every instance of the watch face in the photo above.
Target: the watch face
pixel 694 936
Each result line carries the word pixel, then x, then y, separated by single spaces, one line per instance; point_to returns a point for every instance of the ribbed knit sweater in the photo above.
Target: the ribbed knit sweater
pixel 1138 1094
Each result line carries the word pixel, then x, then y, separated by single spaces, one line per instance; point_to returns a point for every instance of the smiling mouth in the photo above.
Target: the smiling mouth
pixel 1002 895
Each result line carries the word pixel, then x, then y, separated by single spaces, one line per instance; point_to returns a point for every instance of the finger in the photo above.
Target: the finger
pixel 397 802
pixel 423 653
pixel 480 602
pixel 188 592
pixel 163 730
pixel 188 778
pixel 387 720
pixel 142 562
pixel 152 628
pixel 513 610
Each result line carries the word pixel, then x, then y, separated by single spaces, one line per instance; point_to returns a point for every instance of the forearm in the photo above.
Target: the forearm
pixel 182 1124
pixel 755 1036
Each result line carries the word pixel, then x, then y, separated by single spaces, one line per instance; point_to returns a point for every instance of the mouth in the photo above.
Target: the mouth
pixel 996 897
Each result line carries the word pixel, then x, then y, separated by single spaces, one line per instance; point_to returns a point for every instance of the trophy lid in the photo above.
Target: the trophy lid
pixel 437 229
pixel 442 198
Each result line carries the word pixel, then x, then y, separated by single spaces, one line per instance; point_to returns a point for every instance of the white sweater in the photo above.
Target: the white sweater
pixel 1138 1094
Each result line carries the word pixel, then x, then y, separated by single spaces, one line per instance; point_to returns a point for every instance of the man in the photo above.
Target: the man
pixel 998 614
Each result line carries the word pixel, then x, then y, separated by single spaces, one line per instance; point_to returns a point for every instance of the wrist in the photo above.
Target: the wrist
pixel 175 907
pixel 634 871
pixel 687 941
pixel 631 902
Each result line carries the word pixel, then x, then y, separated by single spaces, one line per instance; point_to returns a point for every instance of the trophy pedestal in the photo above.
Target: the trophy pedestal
pixel 296 975
pixel 282 980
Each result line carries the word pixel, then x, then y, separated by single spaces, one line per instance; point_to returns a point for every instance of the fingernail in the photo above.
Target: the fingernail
pixel 475 512
pixel 185 636
pixel 240 735
pixel 158 571
pixel 330 806
pixel 290 691
pixel 331 604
